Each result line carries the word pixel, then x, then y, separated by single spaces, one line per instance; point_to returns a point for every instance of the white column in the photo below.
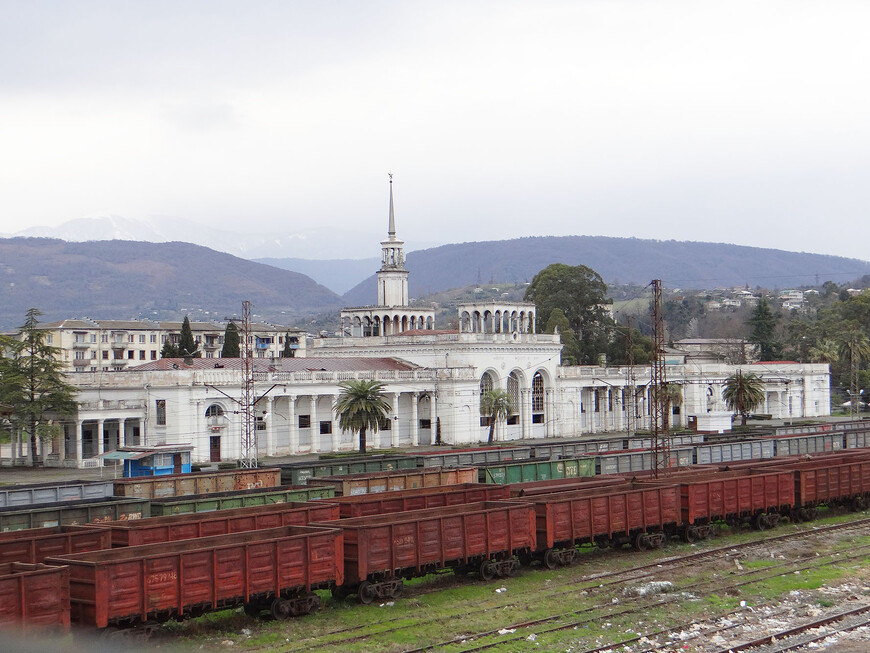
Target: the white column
pixel 315 425
pixel 394 431
pixel 415 422
pixel 101 435
pixel 336 434
pixel 61 452
pixel 549 413
pixel 270 435
pixel 78 442
pixel 526 412
pixel 293 443
pixel 433 423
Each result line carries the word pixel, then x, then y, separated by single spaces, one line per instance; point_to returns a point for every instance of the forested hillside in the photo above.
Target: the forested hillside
pixel 125 279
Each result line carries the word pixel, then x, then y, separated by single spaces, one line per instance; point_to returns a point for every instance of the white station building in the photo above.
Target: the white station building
pixel 433 381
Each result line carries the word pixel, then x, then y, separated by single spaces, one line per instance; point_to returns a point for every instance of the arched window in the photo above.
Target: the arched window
pixel 486 383
pixel 513 388
pixel 538 399
pixel 214 411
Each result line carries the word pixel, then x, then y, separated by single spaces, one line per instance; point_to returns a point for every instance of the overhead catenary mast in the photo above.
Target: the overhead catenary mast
pixel 248 448
pixel 658 389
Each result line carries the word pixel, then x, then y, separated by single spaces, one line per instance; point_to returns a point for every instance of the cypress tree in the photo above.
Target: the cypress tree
pixel 287 352
pixel 187 345
pixel 231 342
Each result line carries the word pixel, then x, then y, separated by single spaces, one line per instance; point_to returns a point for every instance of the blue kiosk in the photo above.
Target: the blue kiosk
pixel 158 460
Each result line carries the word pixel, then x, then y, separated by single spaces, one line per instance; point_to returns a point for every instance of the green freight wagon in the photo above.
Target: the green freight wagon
pixel 299 473
pixel 72 513
pixel 541 470
pixel 241 499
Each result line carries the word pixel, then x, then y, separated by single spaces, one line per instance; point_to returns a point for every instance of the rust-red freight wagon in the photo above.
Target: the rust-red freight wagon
pixel 36 544
pixel 380 503
pixel 219 522
pixel 841 480
pixel 607 516
pixel 274 569
pixel 550 486
pixel 33 596
pixel 403 479
pixel 733 497
pixel 174 485
pixel 381 550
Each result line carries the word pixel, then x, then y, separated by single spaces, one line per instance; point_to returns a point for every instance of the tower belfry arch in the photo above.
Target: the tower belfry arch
pixel 393 313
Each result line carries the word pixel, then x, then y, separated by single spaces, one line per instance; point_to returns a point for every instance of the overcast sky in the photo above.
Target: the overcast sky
pixel 730 121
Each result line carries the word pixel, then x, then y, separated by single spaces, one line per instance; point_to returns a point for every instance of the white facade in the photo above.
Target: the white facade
pixel 433 382
pixel 88 345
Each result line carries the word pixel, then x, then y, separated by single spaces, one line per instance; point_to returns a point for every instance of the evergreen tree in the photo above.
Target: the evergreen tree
pixel 170 350
pixel 32 383
pixel 361 407
pixel 231 342
pixel 187 345
pixel 288 351
pixel 557 320
pixel 580 293
pixel 763 323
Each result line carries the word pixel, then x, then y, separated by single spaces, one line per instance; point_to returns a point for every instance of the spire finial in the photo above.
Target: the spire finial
pixel 391 232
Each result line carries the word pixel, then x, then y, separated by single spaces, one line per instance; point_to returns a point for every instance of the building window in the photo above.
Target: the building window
pixel 153 354
pixel 80 355
pixel 305 421
pixel 325 428
pixel 93 369
pixel 93 355
pixel 49 339
pixel 104 337
pixel 597 400
pixel 214 410
pixel 486 383
pixel 538 393
pixel 161 412
pixel 141 338
pixel 132 338
pixel 425 423
pixel 93 338
pixel 141 354
pixel 105 355
pixel 131 354
pixel 386 424
pixel 261 422
pixel 153 339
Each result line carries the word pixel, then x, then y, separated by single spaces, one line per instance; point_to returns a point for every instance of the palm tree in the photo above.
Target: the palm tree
pixel 361 406
pixel 496 405
pixel 824 351
pixel 853 347
pixel 743 393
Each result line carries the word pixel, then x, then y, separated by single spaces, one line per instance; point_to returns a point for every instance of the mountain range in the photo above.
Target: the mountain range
pixel 123 279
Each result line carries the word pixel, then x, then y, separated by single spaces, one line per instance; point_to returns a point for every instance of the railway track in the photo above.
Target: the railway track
pixel 702 588
pixel 585 585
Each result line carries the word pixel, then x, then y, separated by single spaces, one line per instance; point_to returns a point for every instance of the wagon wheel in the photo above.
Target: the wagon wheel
pixel 760 522
pixel 603 543
pixel 690 534
pixel 366 592
pixel 486 571
pixel 398 590
pixel 551 559
pixel 280 609
pixel 314 602
pixel 641 542
pixel 859 503
pixel 253 609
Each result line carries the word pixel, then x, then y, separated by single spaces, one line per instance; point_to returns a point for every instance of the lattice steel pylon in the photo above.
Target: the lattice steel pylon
pixel 658 389
pixel 249 433
pixel 631 388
